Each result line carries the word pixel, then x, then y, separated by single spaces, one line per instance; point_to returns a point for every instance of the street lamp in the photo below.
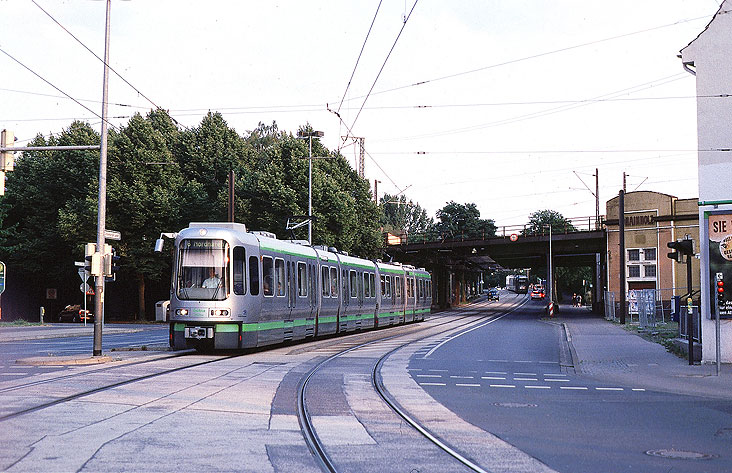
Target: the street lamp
pixel 309 135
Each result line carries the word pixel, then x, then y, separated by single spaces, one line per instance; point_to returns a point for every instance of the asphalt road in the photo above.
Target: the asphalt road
pixel 510 377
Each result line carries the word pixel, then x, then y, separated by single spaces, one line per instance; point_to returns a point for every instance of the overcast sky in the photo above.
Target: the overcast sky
pixel 510 104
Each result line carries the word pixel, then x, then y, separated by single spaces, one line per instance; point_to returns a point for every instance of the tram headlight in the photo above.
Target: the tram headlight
pixel 181 312
pixel 219 312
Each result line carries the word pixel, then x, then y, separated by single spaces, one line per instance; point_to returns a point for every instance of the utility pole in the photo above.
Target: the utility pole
pixel 102 211
pixel 597 199
pixel 621 224
pixel 231 195
pixel 361 157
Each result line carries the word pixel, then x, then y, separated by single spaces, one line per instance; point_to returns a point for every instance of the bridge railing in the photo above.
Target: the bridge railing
pixel 571 225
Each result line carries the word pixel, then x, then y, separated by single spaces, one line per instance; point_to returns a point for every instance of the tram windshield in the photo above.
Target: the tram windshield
pixel 202 270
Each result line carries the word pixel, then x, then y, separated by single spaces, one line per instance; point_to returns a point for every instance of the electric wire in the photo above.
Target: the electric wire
pixel 345 92
pixel 95 55
pixel 404 24
pixel 55 87
pixel 535 56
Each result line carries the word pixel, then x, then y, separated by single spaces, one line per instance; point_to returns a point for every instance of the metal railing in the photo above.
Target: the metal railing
pixel 572 225
pixel 696 321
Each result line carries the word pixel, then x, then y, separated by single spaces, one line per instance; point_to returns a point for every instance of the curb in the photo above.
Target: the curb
pixel 65 360
pixel 572 351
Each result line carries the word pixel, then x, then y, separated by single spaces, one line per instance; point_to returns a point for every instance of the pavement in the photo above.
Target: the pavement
pixel 605 350
pixel 600 349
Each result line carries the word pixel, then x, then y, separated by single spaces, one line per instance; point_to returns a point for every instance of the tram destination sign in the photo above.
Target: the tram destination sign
pixel 2 277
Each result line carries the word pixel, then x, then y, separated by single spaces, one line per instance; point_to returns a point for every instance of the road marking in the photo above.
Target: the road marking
pixel 609 389
pixel 432 384
pixel 496 372
pixel 493 377
pixel 462 377
pixel 468 385
pixel 429 376
pixel 556 380
pixel 576 388
pixel 525 374
pixel 502 386
pixel 555 374
pixel 537 387
pixel 638 389
pixel 525 379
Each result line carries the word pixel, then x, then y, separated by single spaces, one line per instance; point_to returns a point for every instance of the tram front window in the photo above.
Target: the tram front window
pixel 202 270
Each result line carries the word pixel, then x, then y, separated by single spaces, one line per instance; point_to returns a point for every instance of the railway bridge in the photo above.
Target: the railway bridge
pixel 457 262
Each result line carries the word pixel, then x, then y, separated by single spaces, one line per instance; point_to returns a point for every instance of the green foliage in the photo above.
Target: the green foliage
pixel 160 178
pixel 400 215
pixel 541 218
pixel 463 221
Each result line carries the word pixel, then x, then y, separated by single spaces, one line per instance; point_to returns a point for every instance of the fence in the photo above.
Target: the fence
pixel 642 307
pixel 696 320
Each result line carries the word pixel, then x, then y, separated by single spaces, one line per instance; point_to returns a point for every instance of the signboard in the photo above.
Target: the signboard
pixel 720 259
pixel 2 277
pixel 513 237
pixel 112 235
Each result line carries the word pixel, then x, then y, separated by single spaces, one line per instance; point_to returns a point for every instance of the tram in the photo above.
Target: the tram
pixel 232 289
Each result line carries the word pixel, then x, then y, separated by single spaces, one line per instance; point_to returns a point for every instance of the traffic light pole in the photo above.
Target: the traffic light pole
pixel 102 211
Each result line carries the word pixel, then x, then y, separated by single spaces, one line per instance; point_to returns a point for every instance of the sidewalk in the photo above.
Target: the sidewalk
pixel 16 333
pixel 607 351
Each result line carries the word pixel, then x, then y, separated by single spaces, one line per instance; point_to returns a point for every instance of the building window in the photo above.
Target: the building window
pixel 633 255
pixel 649 270
pixel 633 271
pixel 649 254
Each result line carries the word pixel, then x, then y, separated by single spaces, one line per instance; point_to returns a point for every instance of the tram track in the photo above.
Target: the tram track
pixel 317 446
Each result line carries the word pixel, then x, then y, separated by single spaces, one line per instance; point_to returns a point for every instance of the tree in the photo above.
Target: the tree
pixel 40 190
pixel 400 215
pixel 541 218
pixel 463 221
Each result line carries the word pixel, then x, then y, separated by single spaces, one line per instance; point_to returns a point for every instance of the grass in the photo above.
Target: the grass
pixel 663 334
pixel 19 323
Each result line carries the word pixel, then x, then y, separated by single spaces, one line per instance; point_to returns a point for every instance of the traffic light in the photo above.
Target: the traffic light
pixel 111 263
pixel 720 293
pixel 7 163
pixel 92 260
pixel 681 248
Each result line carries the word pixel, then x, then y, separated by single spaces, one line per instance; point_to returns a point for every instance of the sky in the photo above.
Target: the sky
pixel 508 104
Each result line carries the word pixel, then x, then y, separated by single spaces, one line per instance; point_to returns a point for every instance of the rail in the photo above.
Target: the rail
pixel 570 225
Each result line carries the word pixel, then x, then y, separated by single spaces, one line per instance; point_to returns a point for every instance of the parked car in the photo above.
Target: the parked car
pixel 493 294
pixel 74 313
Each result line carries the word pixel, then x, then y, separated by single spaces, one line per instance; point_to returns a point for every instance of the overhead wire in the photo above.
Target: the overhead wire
pixel 359 56
pixel 404 24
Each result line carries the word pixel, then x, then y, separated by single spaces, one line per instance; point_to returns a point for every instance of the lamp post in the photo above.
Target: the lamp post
pixel 309 135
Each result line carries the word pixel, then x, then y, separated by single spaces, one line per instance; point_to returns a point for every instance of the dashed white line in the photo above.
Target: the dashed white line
pixel 638 389
pixel 525 374
pixel 575 388
pixel 556 380
pixel 525 379
pixel 528 386
pixel 496 372
pixel 609 389
pixel 493 377
pixel 432 384
pixel 462 377
pixel 429 376
pixel 502 386
pixel 468 385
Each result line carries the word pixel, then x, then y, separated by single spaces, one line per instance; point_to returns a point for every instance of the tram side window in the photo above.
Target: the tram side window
pixel 398 286
pixel 333 282
pixel 280 276
pixel 238 270
pixel 409 288
pixel 382 280
pixel 268 275
pixel 302 279
pixel 388 287
pixel 372 283
pixel 366 285
pixel 354 284
pixel 253 276
pixel 325 281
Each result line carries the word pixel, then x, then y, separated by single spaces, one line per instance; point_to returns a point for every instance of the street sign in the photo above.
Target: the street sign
pixel 514 237
pixel 2 277
pixel 112 235
pixel 87 289
pixel 82 274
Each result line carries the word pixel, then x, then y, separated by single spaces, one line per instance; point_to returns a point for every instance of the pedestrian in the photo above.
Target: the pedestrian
pixel 574 300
